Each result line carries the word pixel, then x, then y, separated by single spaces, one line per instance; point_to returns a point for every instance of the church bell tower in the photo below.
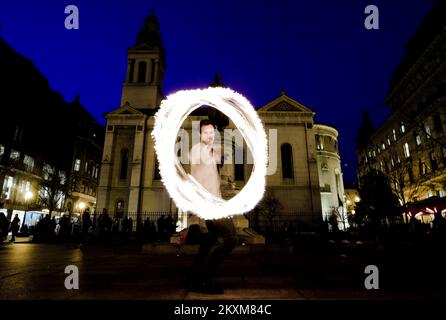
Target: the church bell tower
pixel 142 88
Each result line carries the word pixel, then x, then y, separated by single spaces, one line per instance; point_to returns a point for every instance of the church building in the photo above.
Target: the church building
pixel 307 182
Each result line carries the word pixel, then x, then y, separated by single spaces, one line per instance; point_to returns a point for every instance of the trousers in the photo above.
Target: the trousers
pixel 215 246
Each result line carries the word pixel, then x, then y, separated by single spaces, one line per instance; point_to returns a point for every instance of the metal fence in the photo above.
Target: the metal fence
pixel 284 222
pixel 139 218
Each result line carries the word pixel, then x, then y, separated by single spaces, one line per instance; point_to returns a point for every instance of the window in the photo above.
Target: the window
pixel 437 123
pixel 411 176
pixel 62 177
pixel 406 150
pixel 430 194
pixel 374 154
pixel 383 146
pixel 394 134
pixel 287 161
pixel 124 164
pixel 131 73
pixel 152 70
pixel 418 139
pixel 326 188
pixel 239 167
pixel 18 134
pixel 77 164
pixel 7 187
pixel 156 170
pixel 24 186
pixel 119 205
pixel 319 142
pixel 47 171
pixel 428 131
pixel 15 155
pixel 441 193
pixel 392 162
pixel 422 168
pixel 142 67
pixel 434 164
pixel 2 150
pixel 28 162
pixel 388 141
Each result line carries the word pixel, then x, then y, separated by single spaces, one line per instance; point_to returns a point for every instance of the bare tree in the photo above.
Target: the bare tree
pixel 53 188
pixel 269 207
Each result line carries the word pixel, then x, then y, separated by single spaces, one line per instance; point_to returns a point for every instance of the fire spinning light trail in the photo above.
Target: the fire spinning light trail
pixel 188 193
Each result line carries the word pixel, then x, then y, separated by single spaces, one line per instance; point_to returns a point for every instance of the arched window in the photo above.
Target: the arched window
pixel 156 173
pixel 142 67
pixel 124 164
pixel 287 161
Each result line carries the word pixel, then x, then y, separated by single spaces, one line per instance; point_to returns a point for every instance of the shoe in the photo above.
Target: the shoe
pixel 206 287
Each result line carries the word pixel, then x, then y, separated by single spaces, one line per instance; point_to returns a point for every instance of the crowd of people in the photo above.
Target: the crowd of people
pixel 103 226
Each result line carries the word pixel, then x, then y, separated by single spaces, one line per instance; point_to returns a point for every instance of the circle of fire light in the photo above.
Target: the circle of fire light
pixel 187 193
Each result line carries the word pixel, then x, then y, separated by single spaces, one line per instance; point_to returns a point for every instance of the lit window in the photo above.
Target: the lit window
pixel 374 154
pixel 47 171
pixel 392 162
pixel 428 131
pixel 14 155
pixel 383 146
pixel 319 142
pixel 403 128
pixel 77 164
pixel 388 140
pixel 406 150
pixel 7 187
pixel 441 193
pixel 62 177
pixel 394 134
pixel 418 139
pixel 28 162
pixel 2 150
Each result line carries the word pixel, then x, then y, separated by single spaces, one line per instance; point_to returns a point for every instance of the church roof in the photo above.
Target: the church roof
pixel 284 104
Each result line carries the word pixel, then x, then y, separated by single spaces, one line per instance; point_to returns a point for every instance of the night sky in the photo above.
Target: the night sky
pixel 318 51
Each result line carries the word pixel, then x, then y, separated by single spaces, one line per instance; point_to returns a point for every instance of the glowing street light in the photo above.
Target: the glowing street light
pixel 81 205
pixel 28 195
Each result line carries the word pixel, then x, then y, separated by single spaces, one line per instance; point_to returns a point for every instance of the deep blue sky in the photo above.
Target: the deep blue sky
pixel 318 50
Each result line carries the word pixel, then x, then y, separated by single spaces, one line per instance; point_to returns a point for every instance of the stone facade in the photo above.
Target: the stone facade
pixel 130 181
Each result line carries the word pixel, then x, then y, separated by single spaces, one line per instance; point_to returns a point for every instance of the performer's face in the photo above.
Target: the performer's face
pixel 207 134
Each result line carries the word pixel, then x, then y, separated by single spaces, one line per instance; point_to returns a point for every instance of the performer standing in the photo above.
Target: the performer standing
pixel 204 157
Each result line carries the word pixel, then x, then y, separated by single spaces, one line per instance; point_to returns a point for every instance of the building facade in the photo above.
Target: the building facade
pixel 50 150
pixel 410 147
pixel 129 177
